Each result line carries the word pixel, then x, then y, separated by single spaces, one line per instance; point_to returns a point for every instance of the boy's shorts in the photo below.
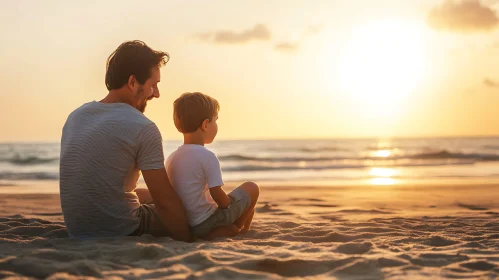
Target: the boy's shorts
pixel 240 202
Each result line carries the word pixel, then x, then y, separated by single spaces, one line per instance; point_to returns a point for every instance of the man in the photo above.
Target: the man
pixel 104 147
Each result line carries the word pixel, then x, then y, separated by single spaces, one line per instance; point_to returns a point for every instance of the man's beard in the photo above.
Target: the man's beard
pixel 142 106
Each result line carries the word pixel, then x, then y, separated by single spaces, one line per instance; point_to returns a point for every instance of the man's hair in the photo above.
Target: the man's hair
pixel 191 109
pixel 132 58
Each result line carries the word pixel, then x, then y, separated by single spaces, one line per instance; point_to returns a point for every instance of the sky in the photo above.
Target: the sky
pixel 279 69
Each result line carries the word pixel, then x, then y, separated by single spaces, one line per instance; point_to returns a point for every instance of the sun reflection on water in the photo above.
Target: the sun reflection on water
pixel 382 176
pixel 382 153
pixel 383 172
pixel 382 181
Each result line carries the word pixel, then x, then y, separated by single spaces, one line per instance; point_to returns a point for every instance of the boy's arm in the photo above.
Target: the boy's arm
pixel 220 197
pixel 168 205
pixel 215 182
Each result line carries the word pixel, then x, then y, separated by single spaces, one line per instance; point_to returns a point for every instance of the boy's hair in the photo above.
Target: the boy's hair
pixel 132 58
pixel 191 109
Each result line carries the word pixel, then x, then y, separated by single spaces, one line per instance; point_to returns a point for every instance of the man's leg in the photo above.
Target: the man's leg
pixel 245 219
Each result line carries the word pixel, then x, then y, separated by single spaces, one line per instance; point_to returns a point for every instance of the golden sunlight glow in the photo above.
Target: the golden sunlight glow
pixel 382 181
pixel 382 64
pixel 383 172
pixel 382 153
pixel 383 176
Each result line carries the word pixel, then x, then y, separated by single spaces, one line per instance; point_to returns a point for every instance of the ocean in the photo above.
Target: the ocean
pixel 299 162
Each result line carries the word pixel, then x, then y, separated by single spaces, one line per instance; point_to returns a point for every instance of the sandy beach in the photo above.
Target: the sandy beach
pixel 354 232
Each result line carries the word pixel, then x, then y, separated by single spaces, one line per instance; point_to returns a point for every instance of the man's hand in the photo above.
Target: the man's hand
pixel 220 197
pixel 168 205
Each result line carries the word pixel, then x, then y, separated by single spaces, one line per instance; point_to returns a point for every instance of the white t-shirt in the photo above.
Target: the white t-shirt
pixel 192 170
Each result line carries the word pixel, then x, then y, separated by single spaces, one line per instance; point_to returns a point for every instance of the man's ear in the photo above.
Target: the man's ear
pixel 204 125
pixel 132 82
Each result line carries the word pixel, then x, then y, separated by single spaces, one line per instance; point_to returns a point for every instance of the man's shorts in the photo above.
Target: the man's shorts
pixel 150 223
pixel 240 202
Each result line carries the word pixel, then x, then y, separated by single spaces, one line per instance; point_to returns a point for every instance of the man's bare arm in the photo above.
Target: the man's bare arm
pixel 168 205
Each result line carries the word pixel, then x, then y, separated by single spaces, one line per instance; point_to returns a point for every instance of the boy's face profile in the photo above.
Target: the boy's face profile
pixel 211 129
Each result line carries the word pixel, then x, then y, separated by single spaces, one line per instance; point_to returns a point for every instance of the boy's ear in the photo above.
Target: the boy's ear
pixel 204 125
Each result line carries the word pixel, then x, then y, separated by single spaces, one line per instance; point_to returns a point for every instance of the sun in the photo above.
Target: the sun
pixel 383 62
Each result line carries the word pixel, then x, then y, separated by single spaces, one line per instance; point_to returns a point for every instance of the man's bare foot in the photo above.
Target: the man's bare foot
pixel 223 231
pixel 244 230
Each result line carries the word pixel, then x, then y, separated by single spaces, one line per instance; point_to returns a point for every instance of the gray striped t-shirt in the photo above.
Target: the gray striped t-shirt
pixel 103 147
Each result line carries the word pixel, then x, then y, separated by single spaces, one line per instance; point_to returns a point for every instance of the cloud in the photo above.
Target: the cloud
pixel 258 32
pixel 292 47
pixel 463 16
pixel 204 36
pixel 286 47
pixel 490 83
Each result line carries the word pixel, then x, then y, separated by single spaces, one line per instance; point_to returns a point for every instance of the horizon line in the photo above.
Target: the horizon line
pixel 295 138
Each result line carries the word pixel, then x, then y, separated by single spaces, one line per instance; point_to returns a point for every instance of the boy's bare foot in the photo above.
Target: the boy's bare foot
pixel 223 231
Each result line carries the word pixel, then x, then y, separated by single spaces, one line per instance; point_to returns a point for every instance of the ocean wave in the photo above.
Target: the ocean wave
pixel 491 147
pixel 28 160
pixel 236 157
pixel 308 149
pixel 249 167
pixel 243 168
pixel 444 154
pixel 323 149
pixel 28 176
pixel 436 155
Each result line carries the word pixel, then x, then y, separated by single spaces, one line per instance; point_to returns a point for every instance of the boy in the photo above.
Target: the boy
pixel 195 173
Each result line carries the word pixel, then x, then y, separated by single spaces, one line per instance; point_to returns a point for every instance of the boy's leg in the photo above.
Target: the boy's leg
pixel 217 225
pixel 228 222
pixel 245 219
pixel 247 224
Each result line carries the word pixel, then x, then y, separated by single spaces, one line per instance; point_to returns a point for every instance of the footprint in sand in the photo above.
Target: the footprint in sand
pixel 266 208
pixel 360 211
pixel 355 248
pixel 306 199
pixel 271 208
pixel 439 241
pixel 472 207
pixel 47 214
pixel 479 265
